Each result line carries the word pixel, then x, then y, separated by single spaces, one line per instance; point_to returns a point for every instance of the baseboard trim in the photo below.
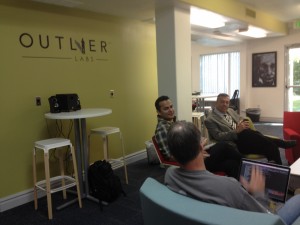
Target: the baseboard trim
pixel 131 158
pixel 26 196
pixel 18 199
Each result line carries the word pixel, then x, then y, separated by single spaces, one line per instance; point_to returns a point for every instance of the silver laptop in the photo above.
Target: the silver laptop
pixel 277 179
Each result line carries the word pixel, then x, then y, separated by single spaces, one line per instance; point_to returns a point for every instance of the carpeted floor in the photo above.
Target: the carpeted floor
pixel 124 211
pixel 274 129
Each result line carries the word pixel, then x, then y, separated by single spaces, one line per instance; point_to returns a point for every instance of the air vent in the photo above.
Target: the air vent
pixel 250 13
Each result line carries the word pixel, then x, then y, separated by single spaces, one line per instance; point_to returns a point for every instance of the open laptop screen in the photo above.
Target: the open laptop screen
pixel 277 178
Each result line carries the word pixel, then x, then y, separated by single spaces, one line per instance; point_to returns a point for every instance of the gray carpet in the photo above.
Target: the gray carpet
pixel 274 129
pixel 124 211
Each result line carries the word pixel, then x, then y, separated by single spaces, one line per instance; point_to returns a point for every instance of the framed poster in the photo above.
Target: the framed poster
pixel 264 69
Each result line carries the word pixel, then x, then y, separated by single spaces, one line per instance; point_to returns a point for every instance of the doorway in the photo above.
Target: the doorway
pixel 292 78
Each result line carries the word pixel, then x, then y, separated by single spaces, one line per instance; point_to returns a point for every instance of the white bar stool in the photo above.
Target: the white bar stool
pixel 104 132
pixel 57 183
pixel 198 120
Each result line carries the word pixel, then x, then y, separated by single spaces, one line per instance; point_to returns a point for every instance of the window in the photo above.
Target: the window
pixel 292 90
pixel 220 73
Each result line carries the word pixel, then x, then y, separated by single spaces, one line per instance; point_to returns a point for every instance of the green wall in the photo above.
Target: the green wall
pixel 128 66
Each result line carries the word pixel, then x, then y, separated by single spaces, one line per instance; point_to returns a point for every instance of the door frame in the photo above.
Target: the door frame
pixel 286 74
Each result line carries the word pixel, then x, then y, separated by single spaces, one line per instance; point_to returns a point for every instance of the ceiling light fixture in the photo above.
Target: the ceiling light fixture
pixel 254 32
pixel 204 18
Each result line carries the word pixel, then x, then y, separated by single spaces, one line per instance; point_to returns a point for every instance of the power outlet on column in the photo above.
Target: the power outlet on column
pixel 112 93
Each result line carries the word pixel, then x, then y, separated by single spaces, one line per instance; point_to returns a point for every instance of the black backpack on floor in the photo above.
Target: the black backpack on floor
pixel 103 183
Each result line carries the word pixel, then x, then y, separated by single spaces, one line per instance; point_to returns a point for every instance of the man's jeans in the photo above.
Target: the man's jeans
pixel 291 210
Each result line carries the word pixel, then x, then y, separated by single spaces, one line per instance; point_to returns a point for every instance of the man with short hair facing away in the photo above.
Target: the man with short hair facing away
pixel 193 180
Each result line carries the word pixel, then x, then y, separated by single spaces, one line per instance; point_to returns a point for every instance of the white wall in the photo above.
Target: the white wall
pixel 270 100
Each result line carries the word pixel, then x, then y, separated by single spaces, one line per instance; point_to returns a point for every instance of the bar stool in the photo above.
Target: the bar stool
pixel 57 183
pixel 104 132
pixel 198 120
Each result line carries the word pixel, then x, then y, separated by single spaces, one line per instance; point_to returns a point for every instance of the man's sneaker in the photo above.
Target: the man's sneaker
pixel 284 143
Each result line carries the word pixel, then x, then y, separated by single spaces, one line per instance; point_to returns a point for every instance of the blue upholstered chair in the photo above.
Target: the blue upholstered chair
pixel 161 206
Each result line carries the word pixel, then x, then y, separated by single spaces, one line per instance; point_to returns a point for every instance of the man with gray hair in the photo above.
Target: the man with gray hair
pixel 224 124
pixel 193 180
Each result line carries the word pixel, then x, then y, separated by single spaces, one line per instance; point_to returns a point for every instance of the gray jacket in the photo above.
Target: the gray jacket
pixel 219 129
pixel 205 186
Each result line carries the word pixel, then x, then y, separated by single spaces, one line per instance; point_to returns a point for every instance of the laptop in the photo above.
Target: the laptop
pixel 277 180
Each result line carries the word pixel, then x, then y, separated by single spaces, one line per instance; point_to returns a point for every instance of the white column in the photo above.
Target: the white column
pixel 173 41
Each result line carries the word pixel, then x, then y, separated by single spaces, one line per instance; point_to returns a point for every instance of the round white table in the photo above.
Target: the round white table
pixel 81 145
pixel 79 114
pixel 294 182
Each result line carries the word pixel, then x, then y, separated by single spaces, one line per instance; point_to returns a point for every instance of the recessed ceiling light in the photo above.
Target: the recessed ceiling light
pixel 254 32
pixel 204 18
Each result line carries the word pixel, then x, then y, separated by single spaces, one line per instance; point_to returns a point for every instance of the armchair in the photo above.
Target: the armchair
pixel 161 206
pixel 291 131
pixel 161 158
pixel 235 101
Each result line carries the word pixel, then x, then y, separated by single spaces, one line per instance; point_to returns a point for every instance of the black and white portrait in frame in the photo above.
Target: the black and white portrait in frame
pixel 264 71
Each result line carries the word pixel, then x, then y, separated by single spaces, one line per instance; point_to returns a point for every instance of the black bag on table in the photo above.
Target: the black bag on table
pixel 104 184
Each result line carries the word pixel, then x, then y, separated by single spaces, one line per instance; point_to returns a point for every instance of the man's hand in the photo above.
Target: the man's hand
pixel 205 154
pixel 204 141
pixel 242 125
pixel 257 181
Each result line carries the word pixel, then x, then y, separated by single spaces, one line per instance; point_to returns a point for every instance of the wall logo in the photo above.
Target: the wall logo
pixel 65 48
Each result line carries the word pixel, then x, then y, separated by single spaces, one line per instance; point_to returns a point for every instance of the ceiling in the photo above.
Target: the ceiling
pixel 144 10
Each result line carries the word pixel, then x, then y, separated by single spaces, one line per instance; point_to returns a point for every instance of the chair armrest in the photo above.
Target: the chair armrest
pixel 290 132
pixel 292 154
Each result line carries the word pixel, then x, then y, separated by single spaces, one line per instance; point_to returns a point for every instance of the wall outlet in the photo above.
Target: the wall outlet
pixel 112 93
pixel 38 101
